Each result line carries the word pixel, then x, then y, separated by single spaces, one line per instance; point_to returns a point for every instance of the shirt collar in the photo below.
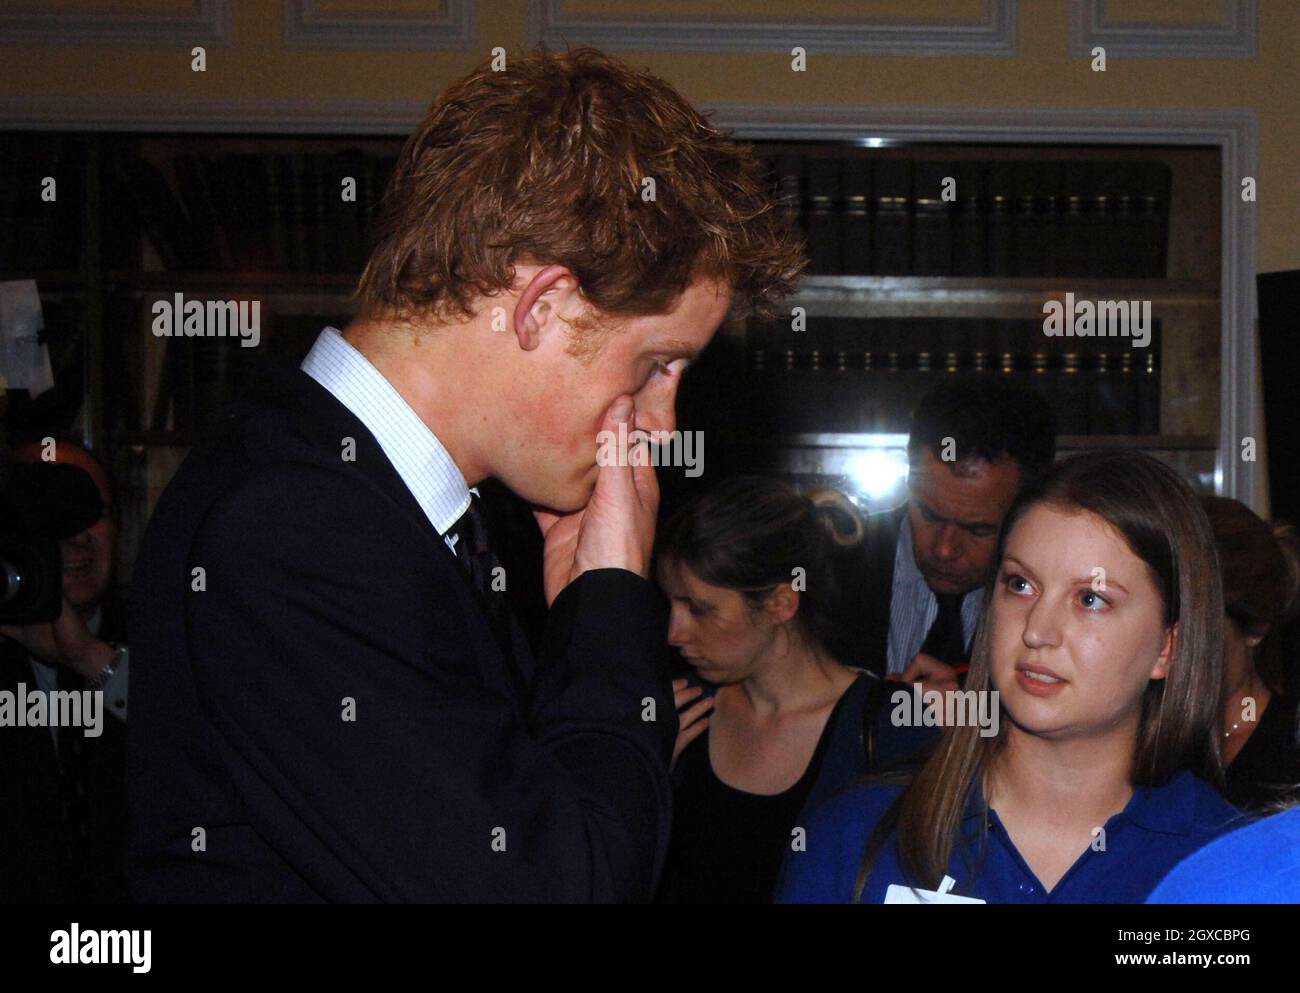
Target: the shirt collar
pixel 421 460
pixel 905 567
pixel 1167 809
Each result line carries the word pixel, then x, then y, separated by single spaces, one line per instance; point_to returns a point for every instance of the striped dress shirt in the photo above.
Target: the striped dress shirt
pixel 913 607
pixel 424 465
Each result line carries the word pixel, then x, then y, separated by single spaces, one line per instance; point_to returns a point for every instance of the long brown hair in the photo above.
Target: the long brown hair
pixel 1261 578
pixel 1161 519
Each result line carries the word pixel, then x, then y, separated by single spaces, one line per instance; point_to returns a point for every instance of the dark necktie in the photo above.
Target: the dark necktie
pixel 473 549
pixel 945 640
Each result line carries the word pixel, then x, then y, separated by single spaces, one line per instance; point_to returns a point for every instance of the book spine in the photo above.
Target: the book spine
pixel 891 221
pixel 969 251
pixel 932 227
pixel 856 257
pixel 825 221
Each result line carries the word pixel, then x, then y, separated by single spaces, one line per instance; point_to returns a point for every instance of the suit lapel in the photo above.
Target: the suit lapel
pixel 326 422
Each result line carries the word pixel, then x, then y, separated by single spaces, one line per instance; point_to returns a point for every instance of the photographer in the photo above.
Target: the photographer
pixel 63 797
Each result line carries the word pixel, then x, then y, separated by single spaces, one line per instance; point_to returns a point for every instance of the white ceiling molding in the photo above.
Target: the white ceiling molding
pixel 207 22
pixel 993 33
pixel 452 28
pixel 1236 37
pixel 192 115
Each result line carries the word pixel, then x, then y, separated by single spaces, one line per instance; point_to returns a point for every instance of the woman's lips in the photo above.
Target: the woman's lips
pixel 1038 681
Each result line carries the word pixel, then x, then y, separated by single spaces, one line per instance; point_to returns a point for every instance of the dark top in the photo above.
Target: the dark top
pixel 865 580
pixel 1158 828
pixel 62 813
pixel 727 845
pixel 1268 765
pixel 334 710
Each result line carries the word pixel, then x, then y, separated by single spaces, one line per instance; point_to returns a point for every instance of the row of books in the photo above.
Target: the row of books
pixel 255 212
pixel 851 375
pixel 36 232
pixel 890 216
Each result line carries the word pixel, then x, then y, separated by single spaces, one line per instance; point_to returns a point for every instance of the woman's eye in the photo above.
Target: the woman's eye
pixel 1012 584
pixel 1092 600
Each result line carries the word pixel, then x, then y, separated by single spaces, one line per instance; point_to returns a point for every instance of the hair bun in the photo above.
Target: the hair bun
pixel 839 515
pixel 1289 547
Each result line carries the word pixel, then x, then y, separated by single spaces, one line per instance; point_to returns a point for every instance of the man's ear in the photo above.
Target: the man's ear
pixel 531 310
pixel 1167 654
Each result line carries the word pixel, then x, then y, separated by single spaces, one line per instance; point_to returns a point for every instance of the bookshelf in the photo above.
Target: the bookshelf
pixel 247 216
pixel 962 288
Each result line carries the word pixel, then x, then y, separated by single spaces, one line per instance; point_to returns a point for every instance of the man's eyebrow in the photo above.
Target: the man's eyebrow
pixel 965 525
pixel 675 346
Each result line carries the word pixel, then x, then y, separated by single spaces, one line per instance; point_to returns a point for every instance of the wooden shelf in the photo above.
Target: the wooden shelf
pixel 848 296
pixel 1065 442
pixel 208 280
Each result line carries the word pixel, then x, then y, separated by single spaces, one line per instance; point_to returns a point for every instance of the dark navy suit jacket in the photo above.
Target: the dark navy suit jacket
pixel 280 591
pixel 866 579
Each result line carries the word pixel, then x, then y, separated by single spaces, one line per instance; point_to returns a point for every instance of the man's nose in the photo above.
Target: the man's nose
pixel 948 546
pixel 657 410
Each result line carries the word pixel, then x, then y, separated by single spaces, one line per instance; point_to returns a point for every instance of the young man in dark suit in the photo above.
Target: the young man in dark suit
pixel 331 700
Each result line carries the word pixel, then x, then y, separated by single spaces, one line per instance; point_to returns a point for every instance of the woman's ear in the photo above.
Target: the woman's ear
pixel 782 604
pixel 1167 654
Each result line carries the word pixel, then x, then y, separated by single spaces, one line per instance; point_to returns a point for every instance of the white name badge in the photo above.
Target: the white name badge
pixel 905 894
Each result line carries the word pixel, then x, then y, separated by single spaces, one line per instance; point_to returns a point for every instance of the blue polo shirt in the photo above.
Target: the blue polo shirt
pixel 1259 863
pixel 1156 830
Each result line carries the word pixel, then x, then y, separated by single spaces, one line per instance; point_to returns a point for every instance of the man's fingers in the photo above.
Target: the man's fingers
pixel 923 665
pixel 690 717
pixel 613 478
pixel 684 694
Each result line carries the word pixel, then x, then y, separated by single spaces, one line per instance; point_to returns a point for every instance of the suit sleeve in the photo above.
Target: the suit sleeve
pixel 341 659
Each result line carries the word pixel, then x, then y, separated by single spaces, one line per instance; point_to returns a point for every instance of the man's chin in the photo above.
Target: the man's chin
pixel 567 501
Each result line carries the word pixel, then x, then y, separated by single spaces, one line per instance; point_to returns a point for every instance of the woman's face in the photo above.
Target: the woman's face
pixel 715 628
pixel 1077 626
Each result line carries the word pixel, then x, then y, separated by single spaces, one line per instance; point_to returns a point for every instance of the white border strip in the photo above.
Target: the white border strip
pixel 993 34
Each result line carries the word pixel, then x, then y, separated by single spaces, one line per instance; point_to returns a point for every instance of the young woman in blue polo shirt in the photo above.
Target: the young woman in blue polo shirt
pixel 1102 635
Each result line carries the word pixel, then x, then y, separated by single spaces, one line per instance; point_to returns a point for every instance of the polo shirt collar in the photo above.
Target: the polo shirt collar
pixel 1167 809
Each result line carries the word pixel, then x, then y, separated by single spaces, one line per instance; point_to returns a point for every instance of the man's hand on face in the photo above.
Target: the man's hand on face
pixel 65 641
pixel 616 529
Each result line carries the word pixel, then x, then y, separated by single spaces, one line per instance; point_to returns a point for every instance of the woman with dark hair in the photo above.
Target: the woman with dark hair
pixel 747 567
pixel 1261 587
pixel 1101 634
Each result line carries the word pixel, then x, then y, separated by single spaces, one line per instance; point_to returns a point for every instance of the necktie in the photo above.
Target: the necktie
pixel 473 547
pixel 945 640
pixel 473 550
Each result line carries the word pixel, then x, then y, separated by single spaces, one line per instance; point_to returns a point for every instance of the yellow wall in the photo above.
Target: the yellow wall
pixel 1044 73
